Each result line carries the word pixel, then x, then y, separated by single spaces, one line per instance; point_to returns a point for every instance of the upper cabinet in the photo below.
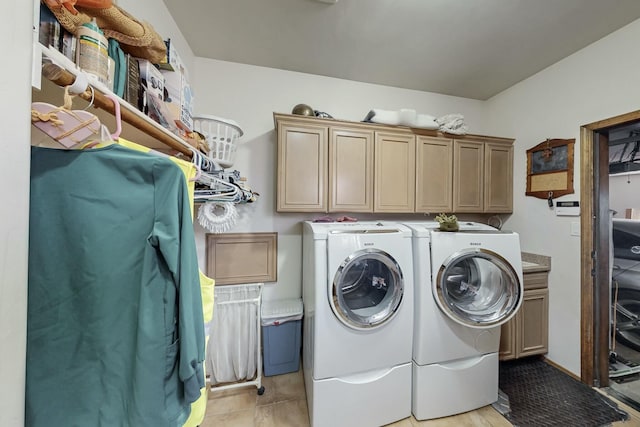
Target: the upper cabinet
pixel 498 178
pixel 434 174
pixel 468 173
pixel 350 170
pixel 395 174
pixel 302 167
pixel 483 175
pixel 329 165
pixel 464 174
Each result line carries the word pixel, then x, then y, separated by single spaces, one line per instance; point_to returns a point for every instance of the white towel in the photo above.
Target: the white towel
pixel 404 117
pixel 452 123
pixel 383 117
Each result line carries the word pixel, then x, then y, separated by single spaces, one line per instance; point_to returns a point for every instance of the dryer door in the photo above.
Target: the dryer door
pixel 478 288
pixel 367 289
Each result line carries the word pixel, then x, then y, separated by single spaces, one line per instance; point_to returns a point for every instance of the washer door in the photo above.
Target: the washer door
pixel 478 288
pixel 367 289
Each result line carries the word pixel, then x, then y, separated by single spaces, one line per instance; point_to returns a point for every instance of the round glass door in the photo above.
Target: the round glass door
pixel 367 289
pixel 478 288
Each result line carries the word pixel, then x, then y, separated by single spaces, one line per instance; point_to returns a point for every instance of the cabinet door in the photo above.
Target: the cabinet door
pixel 468 174
pixel 395 177
pixel 350 170
pixel 302 168
pixel 434 174
pixel 533 323
pixel 498 175
pixel 508 339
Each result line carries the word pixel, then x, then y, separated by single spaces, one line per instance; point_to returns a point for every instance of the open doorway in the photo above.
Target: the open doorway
pixel 609 187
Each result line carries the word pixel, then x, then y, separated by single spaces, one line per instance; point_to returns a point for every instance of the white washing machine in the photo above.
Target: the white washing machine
pixel 467 284
pixel 358 322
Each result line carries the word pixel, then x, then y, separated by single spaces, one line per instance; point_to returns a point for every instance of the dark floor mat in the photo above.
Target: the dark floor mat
pixel 541 395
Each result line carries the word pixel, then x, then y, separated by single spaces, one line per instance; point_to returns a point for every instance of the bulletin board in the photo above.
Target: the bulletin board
pixel 550 169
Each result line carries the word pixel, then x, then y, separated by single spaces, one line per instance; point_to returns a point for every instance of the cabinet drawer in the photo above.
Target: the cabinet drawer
pixel 535 280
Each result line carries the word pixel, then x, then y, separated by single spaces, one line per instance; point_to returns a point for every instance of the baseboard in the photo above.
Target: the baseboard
pixel 560 368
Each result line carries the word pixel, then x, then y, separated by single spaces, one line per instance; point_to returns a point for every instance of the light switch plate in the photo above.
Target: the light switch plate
pixel 575 229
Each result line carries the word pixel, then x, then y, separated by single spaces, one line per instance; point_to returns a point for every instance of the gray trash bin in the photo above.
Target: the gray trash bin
pixel 281 335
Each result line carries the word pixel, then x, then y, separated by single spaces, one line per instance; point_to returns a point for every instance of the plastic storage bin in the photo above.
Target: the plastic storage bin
pixel 281 336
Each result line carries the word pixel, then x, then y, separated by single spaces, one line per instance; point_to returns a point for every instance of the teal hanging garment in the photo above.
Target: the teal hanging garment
pixel 120 75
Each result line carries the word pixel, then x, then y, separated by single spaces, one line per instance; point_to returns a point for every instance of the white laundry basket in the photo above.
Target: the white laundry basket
pixel 233 355
pixel 221 136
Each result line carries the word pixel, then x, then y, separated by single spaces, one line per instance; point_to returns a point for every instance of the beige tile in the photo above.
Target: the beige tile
pixel 402 423
pixel 292 413
pixel 231 419
pixel 482 417
pixel 487 417
pixel 233 400
pixel 281 388
pixel 461 420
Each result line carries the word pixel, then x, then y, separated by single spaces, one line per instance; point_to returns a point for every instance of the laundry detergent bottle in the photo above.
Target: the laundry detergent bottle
pixel 92 52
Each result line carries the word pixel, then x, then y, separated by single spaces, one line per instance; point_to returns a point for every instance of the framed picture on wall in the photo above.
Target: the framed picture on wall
pixel 550 169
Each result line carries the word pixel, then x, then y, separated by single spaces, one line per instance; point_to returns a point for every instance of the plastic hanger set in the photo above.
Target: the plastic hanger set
pixel 74 127
pixel 82 129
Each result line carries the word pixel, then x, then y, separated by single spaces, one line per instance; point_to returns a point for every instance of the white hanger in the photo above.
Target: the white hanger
pixel 105 136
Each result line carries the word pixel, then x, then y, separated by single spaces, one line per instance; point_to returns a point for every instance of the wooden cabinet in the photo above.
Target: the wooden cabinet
pixel 468 174
pixel 434 174
pixel 350 170
pixel 464 175
pixel 302 167
pixel 335 166
pixel 394 182
pixel 527 333
pixel 498 178
pixel 482 175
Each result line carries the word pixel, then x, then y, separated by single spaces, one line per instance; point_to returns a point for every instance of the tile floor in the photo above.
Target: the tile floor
pixel 284 404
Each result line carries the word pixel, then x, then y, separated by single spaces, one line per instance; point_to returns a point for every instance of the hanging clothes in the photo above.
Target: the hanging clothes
pixel 115 331
pixel 189 170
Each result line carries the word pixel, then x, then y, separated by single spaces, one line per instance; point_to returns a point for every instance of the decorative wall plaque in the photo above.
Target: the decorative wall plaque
pixel 550 169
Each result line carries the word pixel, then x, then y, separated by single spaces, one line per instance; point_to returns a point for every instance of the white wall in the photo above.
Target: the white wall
pixel 597 82
pixel 623 193
pixel 15 91
pixel 249 95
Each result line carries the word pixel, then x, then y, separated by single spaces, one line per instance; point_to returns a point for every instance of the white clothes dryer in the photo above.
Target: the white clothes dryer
pixel 467 284
pixel 358 322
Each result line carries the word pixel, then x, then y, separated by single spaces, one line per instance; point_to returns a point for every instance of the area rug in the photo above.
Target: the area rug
pixel 540 395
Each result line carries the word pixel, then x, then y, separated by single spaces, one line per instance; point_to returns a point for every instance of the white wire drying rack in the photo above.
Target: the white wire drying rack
pixel 257 381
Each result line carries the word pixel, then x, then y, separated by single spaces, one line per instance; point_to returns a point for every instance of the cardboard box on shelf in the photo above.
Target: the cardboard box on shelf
pixel 151 78
pixel 157 110
pixel 632 213
pixel 179 98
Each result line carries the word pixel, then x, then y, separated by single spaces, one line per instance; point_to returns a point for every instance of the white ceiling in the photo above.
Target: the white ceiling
pixel 469 48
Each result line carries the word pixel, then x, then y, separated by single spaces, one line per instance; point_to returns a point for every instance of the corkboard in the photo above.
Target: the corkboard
pixel 550 169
